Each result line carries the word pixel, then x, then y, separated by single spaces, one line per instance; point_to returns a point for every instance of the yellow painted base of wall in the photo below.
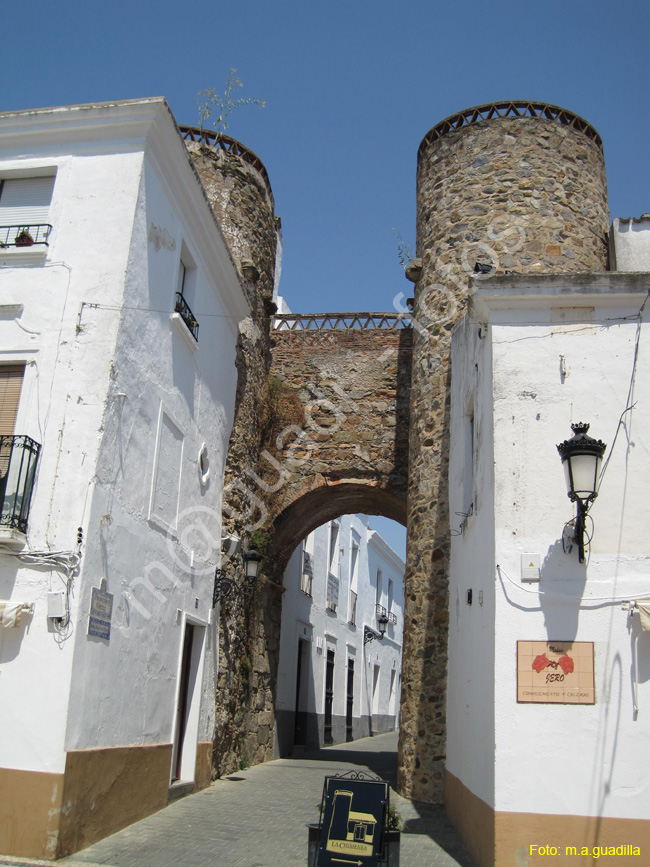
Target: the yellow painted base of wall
pixel 495 839
pixel 102 791
pixel 203 774
pixel 106 790
pixel 474 820
pixel 30 805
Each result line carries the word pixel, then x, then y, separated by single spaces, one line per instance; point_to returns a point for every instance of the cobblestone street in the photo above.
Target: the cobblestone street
pixel 257 818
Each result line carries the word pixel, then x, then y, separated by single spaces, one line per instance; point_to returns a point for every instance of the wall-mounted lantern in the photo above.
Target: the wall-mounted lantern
pixel 582 457
pixel 370 634
pixel 226 585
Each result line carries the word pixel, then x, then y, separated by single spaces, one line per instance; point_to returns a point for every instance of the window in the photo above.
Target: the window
pixel 354 576
pixel 11 383
pixel 380 588
pixel 334 548
pixel 307 575
pixel 353 608
pixel 334 565
pixel 18 454
pixel 24 211
pixel 185 291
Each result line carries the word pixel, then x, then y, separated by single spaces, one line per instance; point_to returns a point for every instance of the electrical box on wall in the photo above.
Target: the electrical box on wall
pixel 530 572
pixel 56 604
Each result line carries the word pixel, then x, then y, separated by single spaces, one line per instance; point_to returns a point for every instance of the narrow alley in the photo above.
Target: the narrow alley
pixel 258 818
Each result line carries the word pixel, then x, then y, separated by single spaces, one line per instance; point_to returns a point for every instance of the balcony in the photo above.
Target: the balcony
pixel 183 310
pixel 18 459
pixel 380 611
pixel 25 236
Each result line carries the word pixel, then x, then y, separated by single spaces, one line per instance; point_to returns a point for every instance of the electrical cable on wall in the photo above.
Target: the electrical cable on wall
pixel 61 561
pixel 628 406
pixel 603 600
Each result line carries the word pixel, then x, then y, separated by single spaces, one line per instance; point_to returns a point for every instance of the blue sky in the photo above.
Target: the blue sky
pixel 351 88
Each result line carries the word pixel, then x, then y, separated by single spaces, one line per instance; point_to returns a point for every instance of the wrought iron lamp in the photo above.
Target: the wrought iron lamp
pixel 226 585
pixel 582 457
pixel 370 634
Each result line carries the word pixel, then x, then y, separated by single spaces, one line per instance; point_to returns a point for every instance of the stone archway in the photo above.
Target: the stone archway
pixel 333 439
pixel 324 503
pixel 330 598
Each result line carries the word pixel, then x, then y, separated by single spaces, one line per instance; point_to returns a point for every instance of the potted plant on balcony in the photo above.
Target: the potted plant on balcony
pixel 24 239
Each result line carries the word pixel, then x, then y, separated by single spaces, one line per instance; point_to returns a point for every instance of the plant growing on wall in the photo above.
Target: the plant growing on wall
pixel 282 408
pixel 217 107
pixel 404 251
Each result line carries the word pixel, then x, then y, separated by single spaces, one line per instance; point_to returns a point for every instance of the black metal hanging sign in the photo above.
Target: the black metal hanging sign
pixel 354 822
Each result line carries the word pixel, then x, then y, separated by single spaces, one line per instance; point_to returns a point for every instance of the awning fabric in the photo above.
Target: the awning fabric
pixel 11 612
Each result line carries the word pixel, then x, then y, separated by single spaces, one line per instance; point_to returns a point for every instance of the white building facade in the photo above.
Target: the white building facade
pixel 338 680
pixel 549 665
pixel 118 326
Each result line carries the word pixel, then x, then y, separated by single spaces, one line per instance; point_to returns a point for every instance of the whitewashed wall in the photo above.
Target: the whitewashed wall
pixel 470 684
pixel 61 407
pixel 562 352
pixel 108 359
pixel 309 618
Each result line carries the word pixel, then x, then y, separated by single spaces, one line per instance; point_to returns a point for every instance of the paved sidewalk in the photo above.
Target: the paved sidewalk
pixel 257 818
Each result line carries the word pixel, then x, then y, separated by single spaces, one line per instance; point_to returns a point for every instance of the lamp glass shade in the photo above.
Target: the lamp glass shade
pixel 581 473
pixel 252 564
pixel 582 457
pixel 383 621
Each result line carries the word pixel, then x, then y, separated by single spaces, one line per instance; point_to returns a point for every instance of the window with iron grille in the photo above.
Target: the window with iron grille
pixel 185 286
pixel 24 211
pixel 18 454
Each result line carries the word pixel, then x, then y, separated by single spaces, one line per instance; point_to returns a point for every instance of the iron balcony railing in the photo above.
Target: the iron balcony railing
pixel 510 108
pixel 380 611
pixel 341 321
pixel 183 308
pixel 18 459
pixel 25 236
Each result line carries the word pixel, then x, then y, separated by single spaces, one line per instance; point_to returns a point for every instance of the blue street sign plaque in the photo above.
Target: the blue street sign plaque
pixel 101 612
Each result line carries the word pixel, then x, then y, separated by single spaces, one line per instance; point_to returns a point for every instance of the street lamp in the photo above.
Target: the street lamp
pixel 370 635
pixel 582 457
pixel 226 585
pixel 252 560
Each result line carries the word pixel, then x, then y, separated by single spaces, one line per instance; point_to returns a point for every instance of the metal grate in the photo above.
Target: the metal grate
pixel 18 460
pixel 341 321
pixel 183 309
pixel 25 236
pixel 513 108
pixel 229 145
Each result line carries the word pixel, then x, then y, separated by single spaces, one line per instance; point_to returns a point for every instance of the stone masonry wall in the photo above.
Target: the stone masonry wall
pixel 242 202
pixel 517 194
pixel 349 450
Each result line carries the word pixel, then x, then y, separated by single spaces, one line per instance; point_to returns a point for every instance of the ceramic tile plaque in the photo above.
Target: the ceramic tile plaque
pixel 555 672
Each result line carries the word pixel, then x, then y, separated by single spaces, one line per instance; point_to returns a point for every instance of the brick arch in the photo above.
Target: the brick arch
pixel 325 502
pixel 351 374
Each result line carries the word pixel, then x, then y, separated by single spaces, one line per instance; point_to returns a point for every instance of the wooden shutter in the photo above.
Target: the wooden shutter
pixel 11 381
pixel 25 201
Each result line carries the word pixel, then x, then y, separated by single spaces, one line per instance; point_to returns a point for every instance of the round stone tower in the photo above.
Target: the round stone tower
pixel 517 187
pixel 509 187
pixel 238 189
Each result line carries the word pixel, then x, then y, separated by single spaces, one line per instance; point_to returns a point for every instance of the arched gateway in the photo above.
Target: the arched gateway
pixel 343 413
